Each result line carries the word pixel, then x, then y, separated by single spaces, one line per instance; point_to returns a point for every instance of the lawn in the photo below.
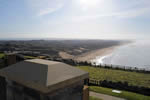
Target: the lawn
pixel 29 57
pixel 123 94
pixel 2 55
pixel 94 98
pixel 133 78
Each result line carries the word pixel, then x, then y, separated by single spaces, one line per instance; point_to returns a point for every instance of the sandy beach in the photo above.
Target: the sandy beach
pixel 91 55
pixel 88 56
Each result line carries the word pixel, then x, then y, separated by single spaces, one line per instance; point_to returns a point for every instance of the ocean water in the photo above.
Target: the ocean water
pixel 136 54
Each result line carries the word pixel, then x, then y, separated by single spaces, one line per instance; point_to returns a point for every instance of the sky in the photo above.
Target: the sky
pixel 92 19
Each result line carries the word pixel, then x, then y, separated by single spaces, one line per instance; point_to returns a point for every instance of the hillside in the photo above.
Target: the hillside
pixel 55 47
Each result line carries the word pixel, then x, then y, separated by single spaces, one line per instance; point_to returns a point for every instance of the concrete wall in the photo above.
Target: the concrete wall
pixel 85 93
pixel 19 92
pixel 2 88
pixel 72 92
pixel 11 59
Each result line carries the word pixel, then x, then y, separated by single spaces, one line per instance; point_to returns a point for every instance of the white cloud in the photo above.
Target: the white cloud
pixel 123 15
pixel 130 11
pixel 133 13
pixel 50 10
pixel 86 4
pixel 108 18
pixel 45 7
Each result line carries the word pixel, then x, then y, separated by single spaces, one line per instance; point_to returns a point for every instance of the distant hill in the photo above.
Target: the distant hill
pixel 54 47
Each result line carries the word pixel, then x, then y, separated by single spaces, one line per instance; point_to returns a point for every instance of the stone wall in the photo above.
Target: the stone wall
pixel 2 88
pixel 72 92
pixel 18 92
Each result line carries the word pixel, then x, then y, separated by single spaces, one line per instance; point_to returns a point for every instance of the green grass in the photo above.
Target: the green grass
pixel 2 55
pixel 29 57
pixel 133 78
pixel 124 94
pixel 94 98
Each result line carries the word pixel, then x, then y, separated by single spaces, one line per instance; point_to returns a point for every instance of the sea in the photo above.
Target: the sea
pixel 135 54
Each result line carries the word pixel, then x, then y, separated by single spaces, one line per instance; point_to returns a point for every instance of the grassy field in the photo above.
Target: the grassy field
pixel 133 78
pixel 124 94
pixel 94 98
pixel 29 57
pixel 2 55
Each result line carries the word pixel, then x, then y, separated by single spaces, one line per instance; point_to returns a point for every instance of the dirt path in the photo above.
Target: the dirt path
pixel 104 96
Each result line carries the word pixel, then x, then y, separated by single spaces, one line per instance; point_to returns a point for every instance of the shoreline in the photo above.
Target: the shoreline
pixel 92 55
pixel 88 56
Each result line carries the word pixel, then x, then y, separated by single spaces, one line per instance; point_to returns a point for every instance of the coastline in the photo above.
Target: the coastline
pixel 88 56
pixel 92 55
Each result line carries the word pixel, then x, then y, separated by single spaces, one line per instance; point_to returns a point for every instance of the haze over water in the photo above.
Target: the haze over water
pixel 136 54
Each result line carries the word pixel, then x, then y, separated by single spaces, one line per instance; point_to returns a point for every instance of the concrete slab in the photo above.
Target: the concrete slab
pixel 43 75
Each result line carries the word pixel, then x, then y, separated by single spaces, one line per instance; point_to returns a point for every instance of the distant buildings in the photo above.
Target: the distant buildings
pixel 39 79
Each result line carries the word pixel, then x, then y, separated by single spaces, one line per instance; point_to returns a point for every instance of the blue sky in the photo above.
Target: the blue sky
pixel 95 19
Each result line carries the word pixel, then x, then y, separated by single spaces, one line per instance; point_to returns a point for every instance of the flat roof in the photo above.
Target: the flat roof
pixel 41 61
pixel 43 75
